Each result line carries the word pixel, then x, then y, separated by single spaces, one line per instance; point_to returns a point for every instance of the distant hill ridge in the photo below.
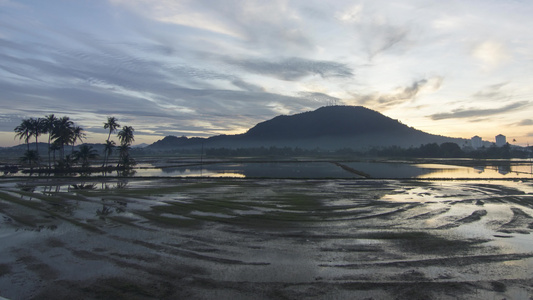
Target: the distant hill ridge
pixel 329 127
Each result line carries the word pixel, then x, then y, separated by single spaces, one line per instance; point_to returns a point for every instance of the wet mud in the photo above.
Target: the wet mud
pixel 265 239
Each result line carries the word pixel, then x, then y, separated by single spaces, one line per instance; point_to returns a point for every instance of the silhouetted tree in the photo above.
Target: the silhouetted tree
pixel 76 135
pixel 23 130
pixel 108 150
pixel 31 157
pixel 48 126
pixel 112 125
pixel 63 132
pixel 126 137
pixel 84 154
pixel 36 129
pixel 450 150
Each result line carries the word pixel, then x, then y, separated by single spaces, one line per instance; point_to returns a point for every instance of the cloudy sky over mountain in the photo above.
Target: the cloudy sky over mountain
pixel 208 67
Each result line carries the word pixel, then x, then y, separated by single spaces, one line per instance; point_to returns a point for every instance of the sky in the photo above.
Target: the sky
pixel 199 68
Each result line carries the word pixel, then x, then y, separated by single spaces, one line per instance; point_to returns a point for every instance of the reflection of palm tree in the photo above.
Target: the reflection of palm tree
pixel 48 125
pixel 23 131
pixel 108 149
pixel 85 153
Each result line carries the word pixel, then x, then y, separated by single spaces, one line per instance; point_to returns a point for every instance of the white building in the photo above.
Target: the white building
pixel 476 142
pixel 500 140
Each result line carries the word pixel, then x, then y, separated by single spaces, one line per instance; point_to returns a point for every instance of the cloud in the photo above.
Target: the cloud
pixel 291 69
pixel 322 98
pixel 247 86
pixel 492 92
pixel 525 122
pixel 490 54
pixel 471 113
pixel 399 95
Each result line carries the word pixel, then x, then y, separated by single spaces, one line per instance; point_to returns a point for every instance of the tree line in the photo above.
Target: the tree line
pixel 431 150
pixel 62 132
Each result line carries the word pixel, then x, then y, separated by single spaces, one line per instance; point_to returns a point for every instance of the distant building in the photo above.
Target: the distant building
pixel 500 140
pixel 476 142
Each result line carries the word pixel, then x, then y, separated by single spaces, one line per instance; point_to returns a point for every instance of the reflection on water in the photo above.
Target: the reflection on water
pixel 466 168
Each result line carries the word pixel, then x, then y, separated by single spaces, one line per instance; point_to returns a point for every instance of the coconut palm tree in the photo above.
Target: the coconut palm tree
pixel 77 135
pixel 112 125
pixel 108 149
pixel 55 147
pixel 23 131
pixel 124 159
pixel 62 134
pixel 126 135
pixel 84 154
pixel 30 156
pixel 48 125
pixel 36 129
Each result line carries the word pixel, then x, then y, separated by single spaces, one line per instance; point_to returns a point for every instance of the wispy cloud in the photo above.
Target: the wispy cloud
pixel 494 91
pixel 479 112
pixel 525 122
pixel 399 95
pixel 226 65
pixel 291 69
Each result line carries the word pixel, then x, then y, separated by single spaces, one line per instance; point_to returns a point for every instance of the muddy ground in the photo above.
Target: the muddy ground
pixel 265 239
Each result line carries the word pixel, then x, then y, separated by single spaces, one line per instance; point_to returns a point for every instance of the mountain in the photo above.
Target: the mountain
pixel 330 127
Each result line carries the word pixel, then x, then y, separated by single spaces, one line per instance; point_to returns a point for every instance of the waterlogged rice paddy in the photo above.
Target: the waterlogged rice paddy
pixel 466 168
pixel 183 238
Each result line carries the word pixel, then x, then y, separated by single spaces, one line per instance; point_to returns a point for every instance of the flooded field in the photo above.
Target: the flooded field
pixel 467 168
pixel 220 238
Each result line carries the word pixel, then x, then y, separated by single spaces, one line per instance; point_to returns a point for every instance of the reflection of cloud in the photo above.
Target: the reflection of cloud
pixel 469 113
pixel 291 69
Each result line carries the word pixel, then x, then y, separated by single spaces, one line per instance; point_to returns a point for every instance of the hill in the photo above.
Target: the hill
pixel 330 127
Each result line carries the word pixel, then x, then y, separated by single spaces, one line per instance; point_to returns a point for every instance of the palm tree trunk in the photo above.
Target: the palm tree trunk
pixel 49 161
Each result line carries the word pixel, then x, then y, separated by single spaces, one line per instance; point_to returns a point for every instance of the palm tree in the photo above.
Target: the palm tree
pixel 63 131
pixel 36 130
pixel 85 153
pixel 48 124
pixel 112 125
pixel 23 131
pixel 124 159
pixel 77 135
pixel 55 147
pixel 126 135
pixel 108 149
pixel 30 156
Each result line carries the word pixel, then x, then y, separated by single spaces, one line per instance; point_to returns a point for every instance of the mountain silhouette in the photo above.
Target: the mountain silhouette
pixel 330 127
